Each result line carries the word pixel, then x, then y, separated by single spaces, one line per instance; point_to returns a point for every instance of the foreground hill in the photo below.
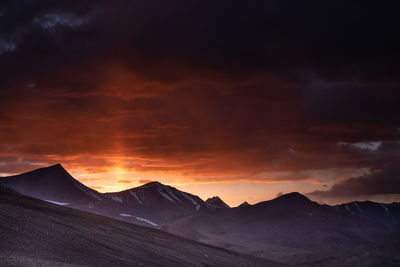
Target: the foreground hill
pixel 37 233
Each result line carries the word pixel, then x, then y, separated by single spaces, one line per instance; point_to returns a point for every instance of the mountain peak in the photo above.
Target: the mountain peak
pixel 52 168
pixel 293 196
pixel 217 202
pixel 50 183
pixel 152 184
pixel 214 198
pixel 57 166
pixel 244 204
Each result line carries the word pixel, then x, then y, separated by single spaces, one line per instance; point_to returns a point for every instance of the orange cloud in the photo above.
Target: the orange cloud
pixel 124 181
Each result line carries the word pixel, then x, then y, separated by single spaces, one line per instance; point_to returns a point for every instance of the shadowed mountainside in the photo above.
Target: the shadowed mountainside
pixel 52 183
pixel 295 230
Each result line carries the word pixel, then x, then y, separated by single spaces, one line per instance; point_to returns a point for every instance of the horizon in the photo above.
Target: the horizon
pixel 258 100
pixel 204 198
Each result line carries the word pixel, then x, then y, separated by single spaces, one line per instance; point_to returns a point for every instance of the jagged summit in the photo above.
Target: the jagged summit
pixel 160 197
pixel 244 204
pixel 217 202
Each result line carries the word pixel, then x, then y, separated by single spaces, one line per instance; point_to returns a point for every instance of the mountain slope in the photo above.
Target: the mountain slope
pixel 35 232
pixel 386 215
pixel 52 183
pixel 295 230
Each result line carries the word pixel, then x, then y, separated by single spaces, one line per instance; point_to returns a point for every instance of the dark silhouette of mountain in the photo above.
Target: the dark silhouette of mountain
pixel 37 233
pixel 52 183
pixel 216 202
pixel 244 204
pixel 290 228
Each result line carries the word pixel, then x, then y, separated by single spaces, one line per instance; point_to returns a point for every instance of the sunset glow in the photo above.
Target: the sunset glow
pixel 216 109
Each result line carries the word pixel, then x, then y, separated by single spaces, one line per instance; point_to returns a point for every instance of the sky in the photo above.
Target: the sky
pixel 244 100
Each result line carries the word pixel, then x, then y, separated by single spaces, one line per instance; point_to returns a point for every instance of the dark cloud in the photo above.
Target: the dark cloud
pixel 51 21
pixel 383 178
pixel 379 182
pixel 211 88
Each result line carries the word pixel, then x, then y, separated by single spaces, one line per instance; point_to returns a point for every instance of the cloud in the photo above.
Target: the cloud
pixel 52 20
pixel 225 99
pixel 91 179
pixel 384 181
pixel 7 46
pixel 124 181
pixel 371 146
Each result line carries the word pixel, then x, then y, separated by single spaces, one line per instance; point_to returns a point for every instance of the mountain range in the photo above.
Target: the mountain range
pixel 290 229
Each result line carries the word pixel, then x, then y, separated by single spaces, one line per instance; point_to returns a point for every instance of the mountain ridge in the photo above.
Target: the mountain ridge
pixel 290 197
pixel 290 228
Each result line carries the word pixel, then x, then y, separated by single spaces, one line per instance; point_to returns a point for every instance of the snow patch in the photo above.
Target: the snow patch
pixel 57 203
pixel 385 208
pixel 117 199
pixel 146 221
pixel 358 207
pixel 347 208
pixel 188 197
pixel 135 196
pixel 169 192
pixel 139 219
pixel 211 206
pixel 166 196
